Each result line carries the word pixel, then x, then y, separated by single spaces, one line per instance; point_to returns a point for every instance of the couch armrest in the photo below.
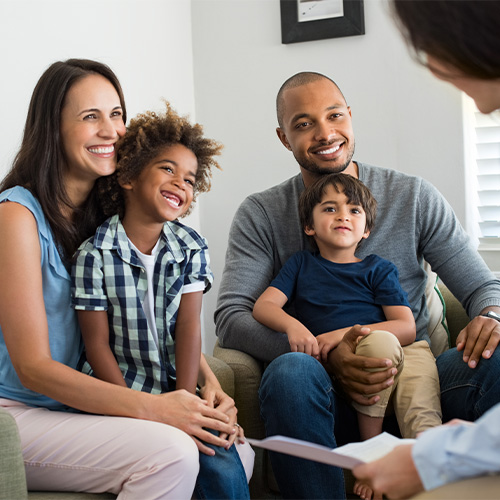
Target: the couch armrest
pixel 12 475
pixel 484 487
pixel 223 373
pixel 247 374
pixel 456 317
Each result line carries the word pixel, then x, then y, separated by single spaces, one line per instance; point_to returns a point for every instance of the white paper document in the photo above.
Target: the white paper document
pixel 347 456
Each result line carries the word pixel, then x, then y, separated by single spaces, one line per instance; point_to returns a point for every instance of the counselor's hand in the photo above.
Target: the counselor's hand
pixel 394 475
pixel 351 371
pixel 193 415
pixel 479 339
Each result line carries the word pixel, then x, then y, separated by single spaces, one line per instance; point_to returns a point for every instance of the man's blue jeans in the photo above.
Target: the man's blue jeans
pixel 468 393
pixel 298 400
pixel 221 476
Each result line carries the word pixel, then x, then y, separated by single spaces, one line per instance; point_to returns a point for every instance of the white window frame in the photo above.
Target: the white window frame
pixel 482 161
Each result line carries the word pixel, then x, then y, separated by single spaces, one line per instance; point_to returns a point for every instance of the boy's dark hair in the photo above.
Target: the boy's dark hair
pixel 355 191
pixel 462 33
pixel 40 162
pixel 147 134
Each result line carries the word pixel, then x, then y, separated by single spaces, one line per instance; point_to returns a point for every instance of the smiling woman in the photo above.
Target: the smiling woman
pixel 40 164
pixel 91 123
pixel 48 205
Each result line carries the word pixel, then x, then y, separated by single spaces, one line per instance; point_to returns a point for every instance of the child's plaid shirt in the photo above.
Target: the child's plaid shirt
pixel 108 276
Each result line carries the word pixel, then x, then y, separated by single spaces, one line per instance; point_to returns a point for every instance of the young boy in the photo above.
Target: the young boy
pixel 331 290
pixel 144 272
pixel 138 283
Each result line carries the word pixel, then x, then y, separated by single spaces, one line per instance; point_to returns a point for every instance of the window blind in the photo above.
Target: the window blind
pixel 487 163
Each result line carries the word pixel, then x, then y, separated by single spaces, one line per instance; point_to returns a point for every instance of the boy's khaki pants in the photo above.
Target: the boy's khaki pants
pixel 415 394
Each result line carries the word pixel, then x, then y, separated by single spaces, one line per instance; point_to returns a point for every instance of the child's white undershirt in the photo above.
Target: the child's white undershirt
pixel 148 261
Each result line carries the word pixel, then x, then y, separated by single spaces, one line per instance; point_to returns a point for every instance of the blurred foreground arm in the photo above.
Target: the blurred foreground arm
pixel 440 456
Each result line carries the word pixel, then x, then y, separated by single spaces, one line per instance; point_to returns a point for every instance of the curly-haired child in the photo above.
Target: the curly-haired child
pixel 138 282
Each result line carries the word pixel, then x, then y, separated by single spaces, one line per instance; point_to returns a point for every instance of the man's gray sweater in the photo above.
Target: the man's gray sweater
pixel 414 222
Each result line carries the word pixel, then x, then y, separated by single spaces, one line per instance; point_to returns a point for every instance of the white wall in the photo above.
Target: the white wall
pixel 147 43
pixel 403 117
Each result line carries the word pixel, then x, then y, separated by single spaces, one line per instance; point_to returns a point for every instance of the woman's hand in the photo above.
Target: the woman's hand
pixel 217 398
pixel 193 415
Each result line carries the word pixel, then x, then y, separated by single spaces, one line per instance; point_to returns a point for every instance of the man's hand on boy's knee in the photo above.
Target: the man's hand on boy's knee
pixel 479 339
pixel 354 372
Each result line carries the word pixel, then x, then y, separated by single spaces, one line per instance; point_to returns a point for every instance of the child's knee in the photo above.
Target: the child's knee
pixel 381 344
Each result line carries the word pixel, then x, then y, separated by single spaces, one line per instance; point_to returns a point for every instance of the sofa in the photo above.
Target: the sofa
pixel 448 322
pixel 12 476
pixel 239 375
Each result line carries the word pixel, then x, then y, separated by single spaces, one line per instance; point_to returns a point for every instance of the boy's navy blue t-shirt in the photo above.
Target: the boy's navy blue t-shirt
pixel 327 296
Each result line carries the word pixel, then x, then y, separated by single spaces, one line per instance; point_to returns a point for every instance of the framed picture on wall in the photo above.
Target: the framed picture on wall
pixel 306 20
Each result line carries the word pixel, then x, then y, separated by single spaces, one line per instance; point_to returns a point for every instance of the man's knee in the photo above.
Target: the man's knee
pixel 451 362
pixel 291 369
pixel 290 378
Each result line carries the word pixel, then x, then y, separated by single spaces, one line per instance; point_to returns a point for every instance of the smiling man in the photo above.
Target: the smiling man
pixel 315 124
pixel 414 223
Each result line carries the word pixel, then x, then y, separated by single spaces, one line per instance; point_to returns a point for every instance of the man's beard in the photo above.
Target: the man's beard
pixel 312 167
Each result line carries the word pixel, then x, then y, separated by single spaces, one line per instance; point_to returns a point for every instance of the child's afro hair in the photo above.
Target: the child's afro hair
pixel 147 134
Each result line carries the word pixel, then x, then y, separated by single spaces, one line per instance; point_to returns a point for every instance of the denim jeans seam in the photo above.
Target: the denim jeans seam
pixel 461 386
pixel 328 392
